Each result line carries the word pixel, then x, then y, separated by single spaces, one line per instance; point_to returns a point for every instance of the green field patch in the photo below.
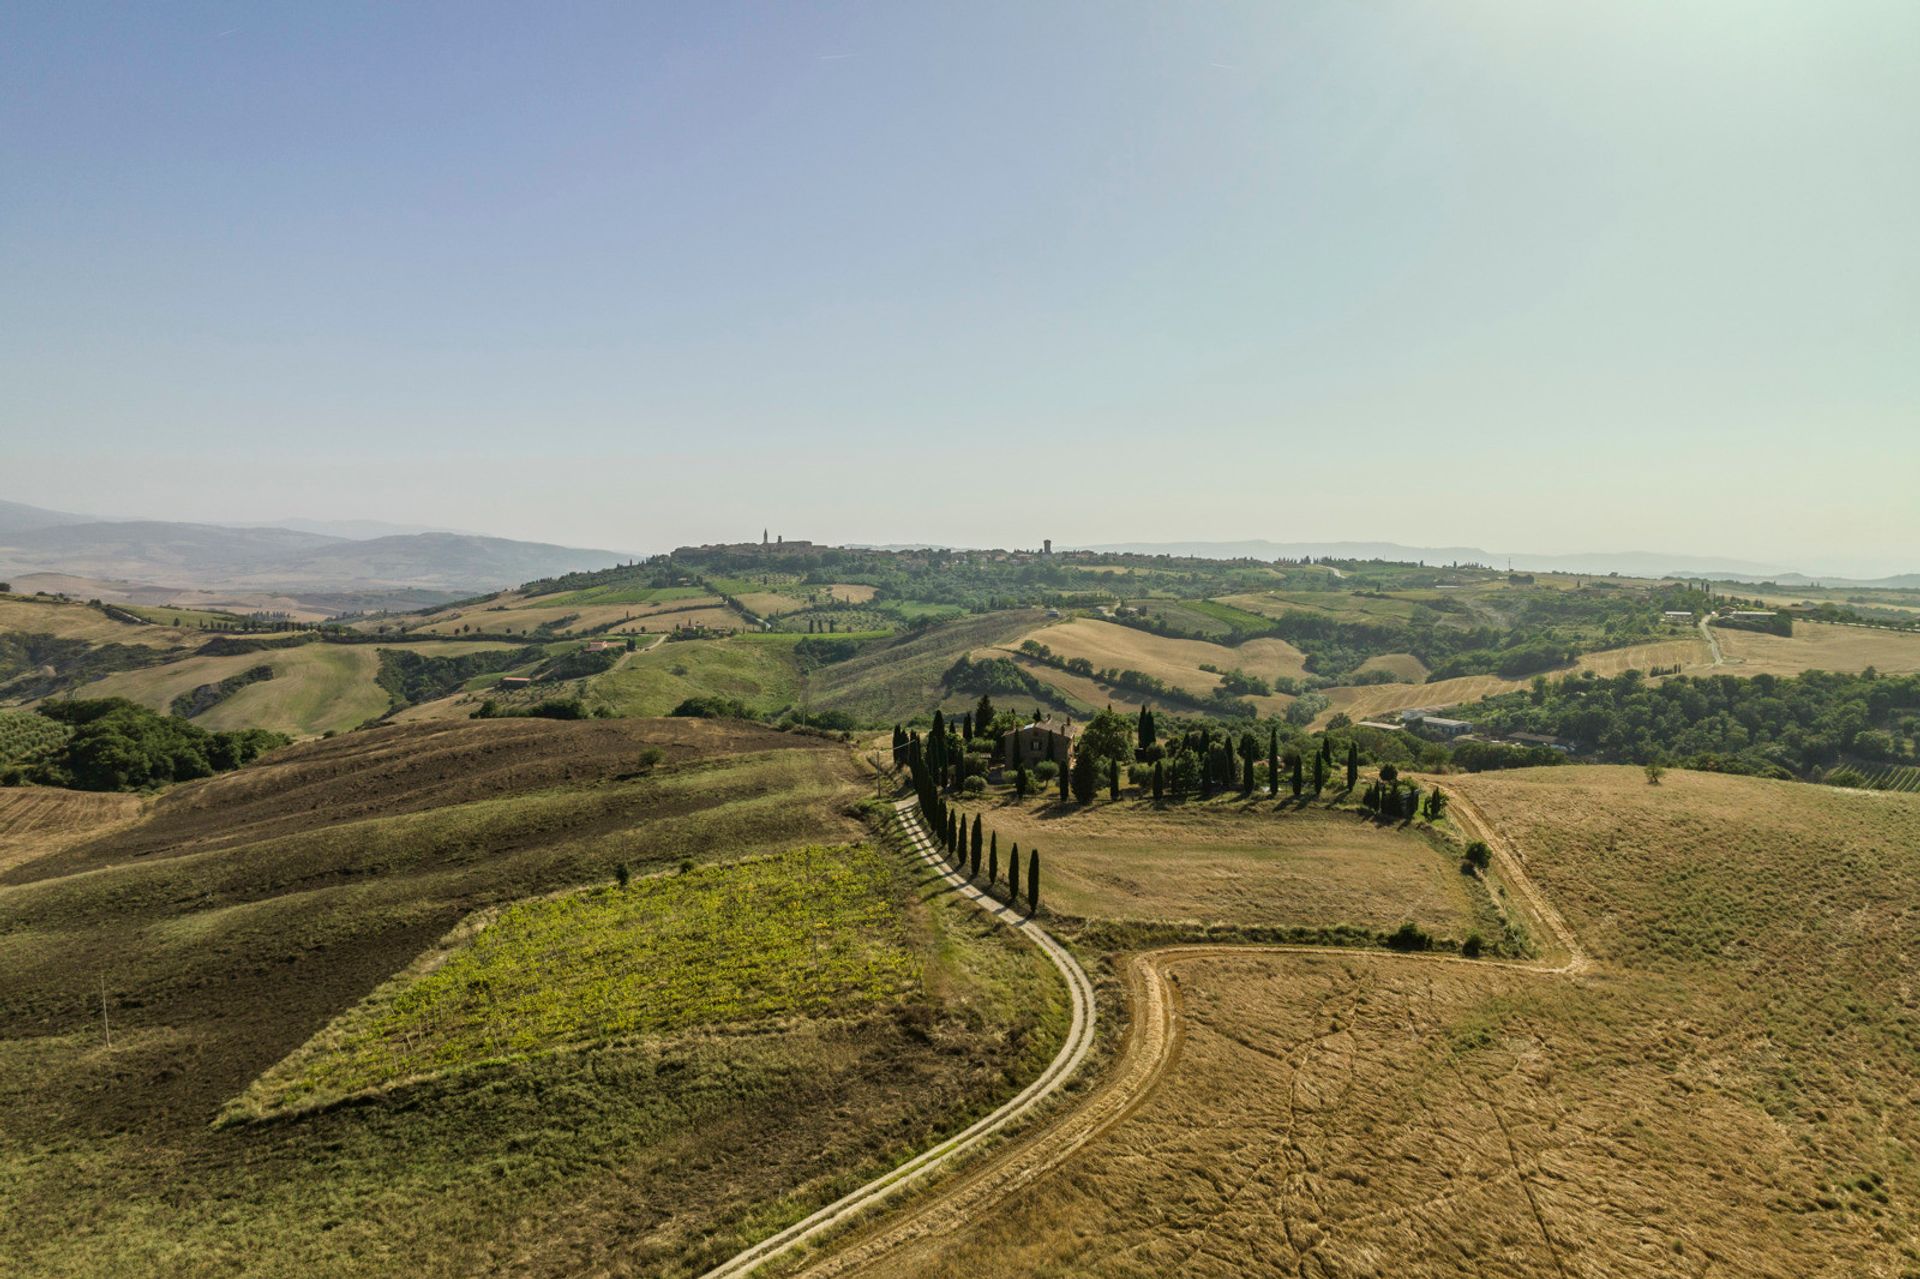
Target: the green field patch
pixel 916 610
pixel 806 932
pixel 24 733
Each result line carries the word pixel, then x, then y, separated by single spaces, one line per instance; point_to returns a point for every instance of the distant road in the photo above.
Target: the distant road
pixel 1706 633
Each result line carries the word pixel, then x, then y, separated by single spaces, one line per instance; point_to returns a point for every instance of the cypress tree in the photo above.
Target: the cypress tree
pixel 1353 764
pixel 1020 779
pixel 983 715
pixel 1273 763
pixel 1319 774
pixel 1033 882
pixel 976 846
pixel 1159 782
pixel 1142 738
pixel 1296 777
pixel 993 863
pixel 1113 779
pixel 1013 876
pixel 1326 751
pixel 1065 781
pixel 1246 775
pixel 966 726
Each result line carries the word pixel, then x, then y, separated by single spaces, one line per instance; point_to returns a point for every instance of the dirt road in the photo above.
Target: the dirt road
pixel 1155 1033
pixel 1072 1053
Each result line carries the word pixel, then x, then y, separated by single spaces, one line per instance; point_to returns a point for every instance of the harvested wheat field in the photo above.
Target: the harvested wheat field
pixel 1727 1090
pixel 1366 701
pixel 1176 661
pixel 1818 646
pixel 77 621
pixel 1233 863
pixel 37 820
pixel 1688 652
pixel 1404 665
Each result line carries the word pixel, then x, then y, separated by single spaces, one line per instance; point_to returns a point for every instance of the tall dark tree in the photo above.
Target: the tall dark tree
pixel 1353 764
pixel 1319 774
pixel 1273 763
pixel 976 847
pixel 1033 881
pixel 1296 777
pixel 983 715
pixel 1020 778
pixel 1144 734
pixel 993 863
pixel 1065 779
pixel 1013 875
pixel 937 748
pixel 1084 778
pixel 1246 775
pixel 966 726
pixel 1326 751
pixel 1113 779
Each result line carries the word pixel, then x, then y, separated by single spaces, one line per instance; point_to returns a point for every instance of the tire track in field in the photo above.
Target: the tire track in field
pixel 1155 1032
pixel 1062 1068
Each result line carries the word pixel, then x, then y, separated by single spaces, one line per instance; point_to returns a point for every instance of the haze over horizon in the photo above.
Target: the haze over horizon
pixel 1632 278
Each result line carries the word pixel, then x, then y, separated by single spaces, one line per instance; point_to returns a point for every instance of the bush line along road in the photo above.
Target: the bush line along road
pixel 1062 1068
pixel 1152 1044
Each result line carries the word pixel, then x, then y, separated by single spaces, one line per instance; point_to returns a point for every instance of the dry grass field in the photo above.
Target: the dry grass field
pixel 38 820
pixel 245 913
pixel 1728 1091
pixel 1688 651
pixel 1818 646
pixel 84 622
pixel 1369 701
pixel 1404 665
pixel 1341 604
pixel 523 619
pixel 1231 863
pixel 1176 661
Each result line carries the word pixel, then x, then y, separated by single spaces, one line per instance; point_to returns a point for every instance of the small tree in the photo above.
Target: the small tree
pixel 621 874
pixel 1436 804
pixel 1389 774
pixel 1655 771
pixel 1479 856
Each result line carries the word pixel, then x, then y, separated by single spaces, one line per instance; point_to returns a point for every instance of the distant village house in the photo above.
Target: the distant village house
pixel 1041 740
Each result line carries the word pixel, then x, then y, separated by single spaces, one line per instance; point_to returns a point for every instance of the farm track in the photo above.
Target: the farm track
pixel 1156 1030
pixel 1062 1068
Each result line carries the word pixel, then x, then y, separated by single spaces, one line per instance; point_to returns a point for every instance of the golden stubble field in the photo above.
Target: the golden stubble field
pixel 1822 646
pixel 1728 1089
pixel 1233 863
pixel 1175 661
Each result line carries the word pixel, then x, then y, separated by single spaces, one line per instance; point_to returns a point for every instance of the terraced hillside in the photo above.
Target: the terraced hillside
pixel 580 1130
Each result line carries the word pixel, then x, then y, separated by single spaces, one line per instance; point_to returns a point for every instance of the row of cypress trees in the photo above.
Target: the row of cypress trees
pixel 961 844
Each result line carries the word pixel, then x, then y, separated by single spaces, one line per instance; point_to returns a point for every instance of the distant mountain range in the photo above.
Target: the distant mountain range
pixel 253 558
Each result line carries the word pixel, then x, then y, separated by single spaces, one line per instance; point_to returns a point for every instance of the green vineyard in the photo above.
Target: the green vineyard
pixel 1898 777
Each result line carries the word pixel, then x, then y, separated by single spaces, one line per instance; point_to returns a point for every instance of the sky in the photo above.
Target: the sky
pixel 1547 277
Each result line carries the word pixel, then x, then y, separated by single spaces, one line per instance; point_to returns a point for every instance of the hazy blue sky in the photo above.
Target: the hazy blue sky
pixel 1561 277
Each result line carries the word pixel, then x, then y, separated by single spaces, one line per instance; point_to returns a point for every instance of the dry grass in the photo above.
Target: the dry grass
pixel 1730 1092
pixel 519 620
pixel 315 687
pixel 1369 701
pixel 1230 863
pixel 37 820
pixel 852 592
pixel 1818 646
pixel 1686 651
pixel 1405 665
pixel 1175 661
pixel 84 622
